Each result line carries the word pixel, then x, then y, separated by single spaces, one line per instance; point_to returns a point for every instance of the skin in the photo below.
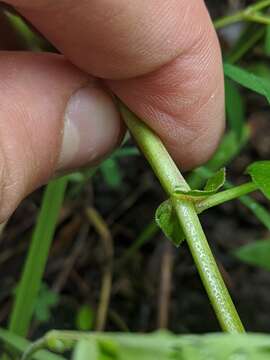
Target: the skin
pixel 161 57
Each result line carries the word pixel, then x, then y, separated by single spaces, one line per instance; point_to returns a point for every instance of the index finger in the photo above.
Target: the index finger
pixel 116 38
pixel 162 55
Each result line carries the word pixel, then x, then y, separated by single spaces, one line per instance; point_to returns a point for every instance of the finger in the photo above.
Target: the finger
pixel 114 39
pixel 53 118
pixel 183 101
pixel 170 49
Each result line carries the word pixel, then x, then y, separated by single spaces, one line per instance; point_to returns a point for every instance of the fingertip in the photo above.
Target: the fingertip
pixel 183 102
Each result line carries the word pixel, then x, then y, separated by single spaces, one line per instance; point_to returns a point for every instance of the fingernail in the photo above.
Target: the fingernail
pixel 91 128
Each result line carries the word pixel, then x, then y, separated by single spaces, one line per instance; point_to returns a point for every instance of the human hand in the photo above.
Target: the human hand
pixel 161 57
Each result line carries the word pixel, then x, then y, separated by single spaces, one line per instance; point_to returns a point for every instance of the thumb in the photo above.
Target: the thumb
pixel 54 118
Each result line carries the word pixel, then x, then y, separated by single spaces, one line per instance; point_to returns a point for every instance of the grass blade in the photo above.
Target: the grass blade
pixel 248 80
pixel 261 213
pixel 267 41
pixel 235 108
pixel 37 257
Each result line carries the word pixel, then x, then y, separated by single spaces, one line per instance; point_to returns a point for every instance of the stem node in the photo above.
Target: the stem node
pixel 170 178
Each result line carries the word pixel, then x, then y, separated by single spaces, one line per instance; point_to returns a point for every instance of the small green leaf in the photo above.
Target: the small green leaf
pixel 45 302
pixel 257 253
pixel 167 220
pixel 216 181
pixel 212 186
pixel 260 175
pixel 260 69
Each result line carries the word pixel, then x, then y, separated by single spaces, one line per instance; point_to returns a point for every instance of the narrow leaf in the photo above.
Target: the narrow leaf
pixel 34 267
pixel 257 253
pixel 260 174
pixel 167 220
pixel 260 69
pixel 267 41
pixel 248 80
pixel 235 108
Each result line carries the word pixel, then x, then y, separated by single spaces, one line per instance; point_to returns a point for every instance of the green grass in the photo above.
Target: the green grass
pixel 31 279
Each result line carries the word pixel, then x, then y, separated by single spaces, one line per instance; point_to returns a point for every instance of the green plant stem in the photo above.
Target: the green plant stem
pixel 2 228
pixel 156 153
pixel 30 282
pixel 226 195
pixel 31 40
pixel 207 267
pixel 240 49
pixel 32 349
pixel 170 177
pixel 228 20
pixel 165 345
pixel 259 5
pixel 257 18
pixel 258 210
pixel 248 14
pixel 243 16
